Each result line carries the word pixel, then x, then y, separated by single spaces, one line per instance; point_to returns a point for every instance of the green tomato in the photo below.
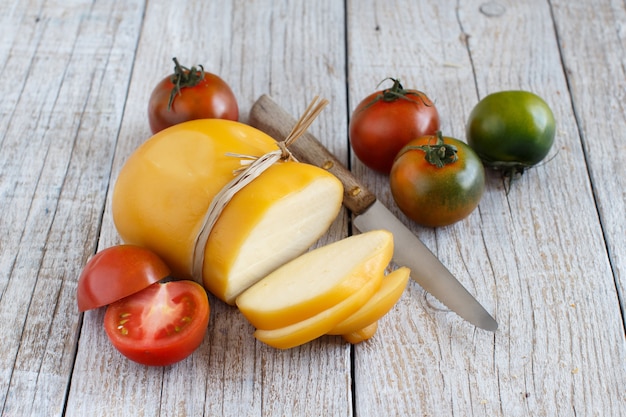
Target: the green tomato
pixel 511 130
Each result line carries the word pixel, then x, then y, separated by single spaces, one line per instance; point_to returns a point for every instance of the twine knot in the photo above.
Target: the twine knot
pixel 286 154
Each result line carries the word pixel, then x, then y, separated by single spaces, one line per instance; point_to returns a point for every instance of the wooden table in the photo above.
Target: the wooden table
pixel 548 259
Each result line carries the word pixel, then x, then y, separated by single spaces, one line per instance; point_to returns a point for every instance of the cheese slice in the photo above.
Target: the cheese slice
pixel 304 331
pixel 317 280
pixel 378 305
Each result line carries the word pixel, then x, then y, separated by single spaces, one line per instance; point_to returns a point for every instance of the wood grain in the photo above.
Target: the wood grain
pixel 548 258
pixel 595 65
pixel 70 65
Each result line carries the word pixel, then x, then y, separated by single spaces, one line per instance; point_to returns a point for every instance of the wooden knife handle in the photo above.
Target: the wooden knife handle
pixel 267 116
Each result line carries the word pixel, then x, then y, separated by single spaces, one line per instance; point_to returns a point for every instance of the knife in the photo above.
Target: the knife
pixel 267 116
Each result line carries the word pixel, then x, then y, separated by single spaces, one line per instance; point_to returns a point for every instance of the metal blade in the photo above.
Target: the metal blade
pixel 426 269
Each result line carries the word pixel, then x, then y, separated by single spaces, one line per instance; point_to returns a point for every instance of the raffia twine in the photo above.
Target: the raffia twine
pixel 252 167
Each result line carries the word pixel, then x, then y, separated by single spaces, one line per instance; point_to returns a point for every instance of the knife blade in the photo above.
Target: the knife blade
pixel 267 116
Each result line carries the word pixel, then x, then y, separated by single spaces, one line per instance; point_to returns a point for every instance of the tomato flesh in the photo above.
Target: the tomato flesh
pixel 161 324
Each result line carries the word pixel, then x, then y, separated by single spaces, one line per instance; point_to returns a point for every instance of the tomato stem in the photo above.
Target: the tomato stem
pixel 184 77
pixel 439 154
pixel 398 92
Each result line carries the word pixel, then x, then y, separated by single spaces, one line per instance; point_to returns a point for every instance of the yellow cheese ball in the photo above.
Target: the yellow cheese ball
pixel 165 187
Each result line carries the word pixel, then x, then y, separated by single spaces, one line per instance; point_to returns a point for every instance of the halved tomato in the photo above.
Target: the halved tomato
pixel 117 272
pixel 161 324
pixel 150 319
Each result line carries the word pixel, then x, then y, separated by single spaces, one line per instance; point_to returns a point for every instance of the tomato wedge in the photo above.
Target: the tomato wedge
pixel 160 325
pixel 117 272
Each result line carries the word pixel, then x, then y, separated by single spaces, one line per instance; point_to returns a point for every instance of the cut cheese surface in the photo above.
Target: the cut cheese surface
pixel 382 301
pixel 316 281
pixel 304 331
pixel 281 214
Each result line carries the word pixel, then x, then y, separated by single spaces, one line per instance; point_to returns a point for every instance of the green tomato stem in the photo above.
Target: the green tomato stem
pixel 184 77
pixel 398 92
pixel 440 154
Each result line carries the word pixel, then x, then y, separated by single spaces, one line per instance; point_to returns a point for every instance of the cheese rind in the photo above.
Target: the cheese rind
pixel 361 335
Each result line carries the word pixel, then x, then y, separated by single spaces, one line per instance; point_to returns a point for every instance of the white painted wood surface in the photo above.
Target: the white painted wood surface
pixel 548 259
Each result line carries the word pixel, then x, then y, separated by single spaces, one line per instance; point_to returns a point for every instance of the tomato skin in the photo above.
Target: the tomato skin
pixel 118 272
pixel 433 196
pixel 211 98
pixel 379 128
pixel 160 325
pixel 511 129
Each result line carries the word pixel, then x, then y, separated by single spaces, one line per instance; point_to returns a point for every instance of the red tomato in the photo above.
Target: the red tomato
pixel 437 181
pixel 190 94
pixel 387 120
pixel 161 324
pixel 118 272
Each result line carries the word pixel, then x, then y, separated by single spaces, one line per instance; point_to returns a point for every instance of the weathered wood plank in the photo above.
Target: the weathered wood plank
pixel 418 363
pixel 595 63
pixel 521 254
pixel 257 47
pixel 70 68
pixel 572 289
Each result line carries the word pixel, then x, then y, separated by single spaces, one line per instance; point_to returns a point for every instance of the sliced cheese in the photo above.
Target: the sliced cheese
pixel 304 331
pixel 316 281
pixel 382 301
pixel 361 335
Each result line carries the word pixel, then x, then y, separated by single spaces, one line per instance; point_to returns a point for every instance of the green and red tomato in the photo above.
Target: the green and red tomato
pixel 437 180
